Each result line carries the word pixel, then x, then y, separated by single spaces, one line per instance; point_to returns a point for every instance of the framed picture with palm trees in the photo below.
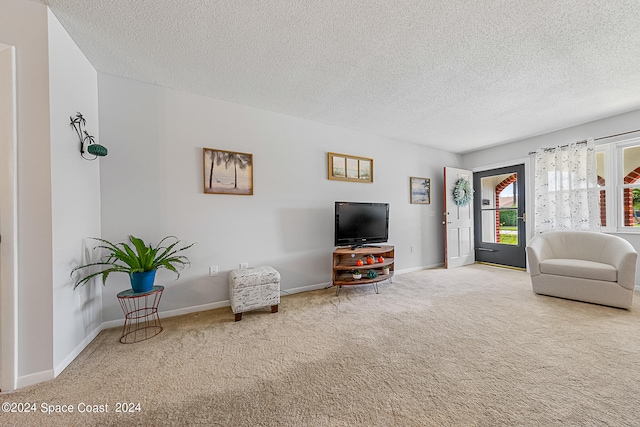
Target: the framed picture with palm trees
pixel 227 172
pixel 420 190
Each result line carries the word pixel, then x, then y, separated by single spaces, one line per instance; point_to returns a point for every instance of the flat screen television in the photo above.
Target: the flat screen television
pixel 358 224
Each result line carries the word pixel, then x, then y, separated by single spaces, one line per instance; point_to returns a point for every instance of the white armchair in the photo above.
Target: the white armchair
pixel 584 266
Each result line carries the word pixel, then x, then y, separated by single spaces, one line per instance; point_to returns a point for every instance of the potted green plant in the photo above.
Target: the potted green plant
pixel 356 274
pixel 139 260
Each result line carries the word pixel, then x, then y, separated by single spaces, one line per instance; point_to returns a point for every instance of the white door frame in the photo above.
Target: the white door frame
pixel 8 221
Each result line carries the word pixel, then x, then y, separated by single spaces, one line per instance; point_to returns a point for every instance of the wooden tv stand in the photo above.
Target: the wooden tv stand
pixel 344 260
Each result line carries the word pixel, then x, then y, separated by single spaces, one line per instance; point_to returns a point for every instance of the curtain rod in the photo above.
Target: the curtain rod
pixel 596 139
pixel 617 134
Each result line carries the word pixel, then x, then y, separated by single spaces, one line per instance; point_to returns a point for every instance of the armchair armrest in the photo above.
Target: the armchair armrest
pixel 621 254
pixel 537 251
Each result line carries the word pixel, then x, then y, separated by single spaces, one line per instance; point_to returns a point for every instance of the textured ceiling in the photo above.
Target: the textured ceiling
pixel 456 75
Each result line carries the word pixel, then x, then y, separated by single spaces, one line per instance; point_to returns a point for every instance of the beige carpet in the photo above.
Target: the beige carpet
pixel 471 346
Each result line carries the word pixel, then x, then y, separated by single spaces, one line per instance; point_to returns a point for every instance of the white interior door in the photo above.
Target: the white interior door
pixel 458 222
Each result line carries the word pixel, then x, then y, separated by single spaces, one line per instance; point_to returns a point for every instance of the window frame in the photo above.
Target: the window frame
pixel 614 185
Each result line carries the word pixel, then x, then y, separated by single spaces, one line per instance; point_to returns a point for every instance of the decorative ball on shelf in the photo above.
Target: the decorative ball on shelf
pixel 372 274
pixel 462 192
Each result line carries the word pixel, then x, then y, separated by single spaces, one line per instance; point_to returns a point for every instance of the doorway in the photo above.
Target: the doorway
pixel 499 216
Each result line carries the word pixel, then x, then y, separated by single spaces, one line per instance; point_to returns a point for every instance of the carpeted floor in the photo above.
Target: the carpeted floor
pixel 472 346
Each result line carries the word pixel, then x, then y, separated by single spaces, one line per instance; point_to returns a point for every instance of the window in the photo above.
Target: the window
pixel 630 186
pixel 618 166
pixel 500 209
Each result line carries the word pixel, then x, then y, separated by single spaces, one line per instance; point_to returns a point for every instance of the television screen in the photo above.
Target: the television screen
pixel 360 223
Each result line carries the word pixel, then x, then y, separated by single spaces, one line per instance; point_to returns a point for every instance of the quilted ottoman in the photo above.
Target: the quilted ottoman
pixel 252 288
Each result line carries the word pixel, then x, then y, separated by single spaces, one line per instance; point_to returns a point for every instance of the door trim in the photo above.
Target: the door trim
pixel 8 222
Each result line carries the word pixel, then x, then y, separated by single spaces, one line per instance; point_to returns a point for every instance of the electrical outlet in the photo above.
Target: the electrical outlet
pixel 213 270
pixel 244 265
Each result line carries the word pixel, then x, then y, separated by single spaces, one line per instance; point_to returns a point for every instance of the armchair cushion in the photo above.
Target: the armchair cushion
pixel 579 268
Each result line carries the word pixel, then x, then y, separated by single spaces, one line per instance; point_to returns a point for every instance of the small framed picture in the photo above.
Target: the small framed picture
pixel 343 167
pixel 420 190
pixel 227 172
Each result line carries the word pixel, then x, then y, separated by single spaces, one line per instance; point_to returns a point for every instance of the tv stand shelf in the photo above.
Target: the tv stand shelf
pixel 344 260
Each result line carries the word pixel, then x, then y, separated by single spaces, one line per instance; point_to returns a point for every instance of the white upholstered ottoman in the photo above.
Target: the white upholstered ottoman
pixel 252 288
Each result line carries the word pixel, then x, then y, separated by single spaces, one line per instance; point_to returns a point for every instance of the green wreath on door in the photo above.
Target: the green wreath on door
pixel 462 192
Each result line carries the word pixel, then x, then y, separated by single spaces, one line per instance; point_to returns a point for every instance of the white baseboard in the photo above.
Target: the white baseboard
pixel 70 358
pixel 196 308
pixel 424 267
pixel 35 378
pixel 227 303
pixel 328 284
pixel 50 374
pixel 172 313
pixel 305 288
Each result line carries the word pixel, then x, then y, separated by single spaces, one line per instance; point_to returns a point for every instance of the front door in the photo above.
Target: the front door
pixel 458 221
pixel 499 216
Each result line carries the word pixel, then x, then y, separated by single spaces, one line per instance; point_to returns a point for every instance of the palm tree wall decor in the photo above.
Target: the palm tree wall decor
pixel 227 172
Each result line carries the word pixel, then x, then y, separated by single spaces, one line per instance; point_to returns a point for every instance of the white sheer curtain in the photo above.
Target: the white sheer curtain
pixel 566 193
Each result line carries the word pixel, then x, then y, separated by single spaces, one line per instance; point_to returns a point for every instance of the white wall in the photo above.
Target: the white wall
pixel 152 186
pixel 516 151
pixel 520 149
pixel 23 24
pixel 75 184
pixel 58 202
